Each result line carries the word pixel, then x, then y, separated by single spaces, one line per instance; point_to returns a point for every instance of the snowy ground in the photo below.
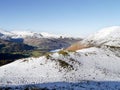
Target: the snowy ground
pixel 91 66
pixel 95 68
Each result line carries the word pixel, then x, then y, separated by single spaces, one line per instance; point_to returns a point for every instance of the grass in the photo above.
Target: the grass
pixel 64 53
pixel 36 53
pixel 64 64
pixel 71 50
pixel 77 46
pixel 47 55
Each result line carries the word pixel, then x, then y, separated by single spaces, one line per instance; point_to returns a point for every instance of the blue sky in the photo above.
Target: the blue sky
pixel 74 17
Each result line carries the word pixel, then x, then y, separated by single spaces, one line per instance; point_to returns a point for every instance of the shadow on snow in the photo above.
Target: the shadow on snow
pixel 82 85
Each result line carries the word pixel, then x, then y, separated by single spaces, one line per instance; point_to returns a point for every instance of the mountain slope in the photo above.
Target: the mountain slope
pixel 44 41
pixel 109 36
pixel 10 51
pixel 91 64
pixel 24 34
pixel 50 43
pixel 4 32
pixel 7 46
pixel 93 68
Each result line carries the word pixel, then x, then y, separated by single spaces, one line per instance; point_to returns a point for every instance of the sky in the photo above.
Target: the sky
pixel 72 17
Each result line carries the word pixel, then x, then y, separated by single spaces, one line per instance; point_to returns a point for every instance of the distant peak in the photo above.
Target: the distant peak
pixel 106 32
pixel 107 36
pixel 110 29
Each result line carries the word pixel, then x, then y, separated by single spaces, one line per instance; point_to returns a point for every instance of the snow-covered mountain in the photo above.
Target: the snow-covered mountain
pixel 7 33
pixel 91 68
pixel 88 68
pixel 43 41
pixel 24 34
pixel 109 36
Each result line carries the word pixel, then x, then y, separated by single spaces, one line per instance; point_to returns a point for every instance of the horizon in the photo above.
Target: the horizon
pixel 72 17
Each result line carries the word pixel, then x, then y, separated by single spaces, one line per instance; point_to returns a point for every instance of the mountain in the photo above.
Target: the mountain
pixel 7 33
pixel 7 46
pixel 49 44
pixel 24 34
pixel 95 67
pixel 10 51
pixel 21 44
pixel 109 36
pixel 44 41
pixel 87 68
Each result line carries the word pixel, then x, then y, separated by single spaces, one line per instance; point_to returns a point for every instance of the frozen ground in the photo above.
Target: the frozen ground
pixel 94 68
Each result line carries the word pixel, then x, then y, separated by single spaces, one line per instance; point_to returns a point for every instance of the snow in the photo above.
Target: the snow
pixel 4 32
pixel 92 64
pixel 107 32
pixel 93 68
pixel 49 35
pixel 108 36
pixel 24 34
pixel 113 31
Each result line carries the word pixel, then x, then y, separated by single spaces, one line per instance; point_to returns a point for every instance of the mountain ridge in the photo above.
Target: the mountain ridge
pixel 109 36
pixel 97 63
pixel 24 34
pixel 106 37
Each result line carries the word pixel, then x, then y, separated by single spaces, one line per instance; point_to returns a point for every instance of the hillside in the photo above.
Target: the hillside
pixel 92 68
pixel 77 46
pixel 27 33
pixel 89 66
pixel 49 44
pixel 8 46
pixel 107 37
pixel 44 41
pixel 10 51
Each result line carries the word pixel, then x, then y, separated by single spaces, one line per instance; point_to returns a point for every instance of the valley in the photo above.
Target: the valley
pixel 89 64
pixel 17 45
